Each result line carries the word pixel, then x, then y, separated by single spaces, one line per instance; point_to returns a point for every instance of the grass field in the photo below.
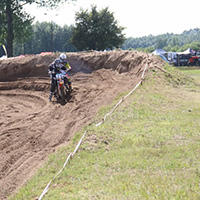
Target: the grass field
pixel 149 148
pixel 192 72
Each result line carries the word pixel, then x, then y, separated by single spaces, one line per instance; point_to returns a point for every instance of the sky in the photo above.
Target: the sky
pixel 139 17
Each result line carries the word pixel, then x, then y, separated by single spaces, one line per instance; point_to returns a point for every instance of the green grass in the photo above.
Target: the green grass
pixel 192 72
pixel 149 148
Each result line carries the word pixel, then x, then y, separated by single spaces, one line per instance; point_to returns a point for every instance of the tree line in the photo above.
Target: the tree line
pixel 97 30
pixel 93 29
pixel 49 36
pixel 168 42
pixel 46 37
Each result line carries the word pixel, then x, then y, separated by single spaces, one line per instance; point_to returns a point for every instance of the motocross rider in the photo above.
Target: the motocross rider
pixel 59 65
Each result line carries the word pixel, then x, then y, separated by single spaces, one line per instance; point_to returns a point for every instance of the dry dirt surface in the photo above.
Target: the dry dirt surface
pixel 31 127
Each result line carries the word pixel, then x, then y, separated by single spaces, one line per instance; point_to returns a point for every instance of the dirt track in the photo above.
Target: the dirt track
pixel 31 127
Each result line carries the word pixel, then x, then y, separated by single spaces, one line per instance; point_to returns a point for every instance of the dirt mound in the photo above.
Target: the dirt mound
pixel 31 127
pixel 37 65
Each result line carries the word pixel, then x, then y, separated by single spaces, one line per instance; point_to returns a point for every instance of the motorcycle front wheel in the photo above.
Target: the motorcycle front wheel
pixel 62 94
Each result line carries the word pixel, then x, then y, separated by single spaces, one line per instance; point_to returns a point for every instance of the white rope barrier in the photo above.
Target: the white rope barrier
pixel 103 120
pixel 79 143
pixel 69 156
pixel 47 187
pixel 123 98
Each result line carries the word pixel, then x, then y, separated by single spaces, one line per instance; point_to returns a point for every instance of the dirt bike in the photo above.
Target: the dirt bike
pixel 62 88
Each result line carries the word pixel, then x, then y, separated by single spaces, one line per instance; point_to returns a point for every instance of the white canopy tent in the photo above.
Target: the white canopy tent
pixel 187 51
pixel 159 52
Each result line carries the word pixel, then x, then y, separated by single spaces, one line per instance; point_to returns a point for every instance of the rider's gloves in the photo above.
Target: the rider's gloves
pixel 51 72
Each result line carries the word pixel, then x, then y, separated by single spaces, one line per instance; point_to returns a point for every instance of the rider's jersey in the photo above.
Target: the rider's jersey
pixel 59 67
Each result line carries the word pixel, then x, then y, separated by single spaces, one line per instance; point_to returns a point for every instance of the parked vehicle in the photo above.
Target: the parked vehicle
pixel 194 61
pixel 171 57
pixel 182 59
pixel 188 57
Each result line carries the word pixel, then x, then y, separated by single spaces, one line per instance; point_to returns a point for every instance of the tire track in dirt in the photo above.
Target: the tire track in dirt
pixel 35 127
pixel 31 127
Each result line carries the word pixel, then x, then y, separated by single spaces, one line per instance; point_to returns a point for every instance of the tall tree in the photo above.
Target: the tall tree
pixel 13 16
pixel 161 42
pixel 62 39
pixel 97 30
pixel 46 36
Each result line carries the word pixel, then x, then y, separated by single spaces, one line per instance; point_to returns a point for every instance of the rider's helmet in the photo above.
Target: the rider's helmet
pixel 63 58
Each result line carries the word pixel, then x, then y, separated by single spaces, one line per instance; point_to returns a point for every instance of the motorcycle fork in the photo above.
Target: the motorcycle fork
pixel 61 83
